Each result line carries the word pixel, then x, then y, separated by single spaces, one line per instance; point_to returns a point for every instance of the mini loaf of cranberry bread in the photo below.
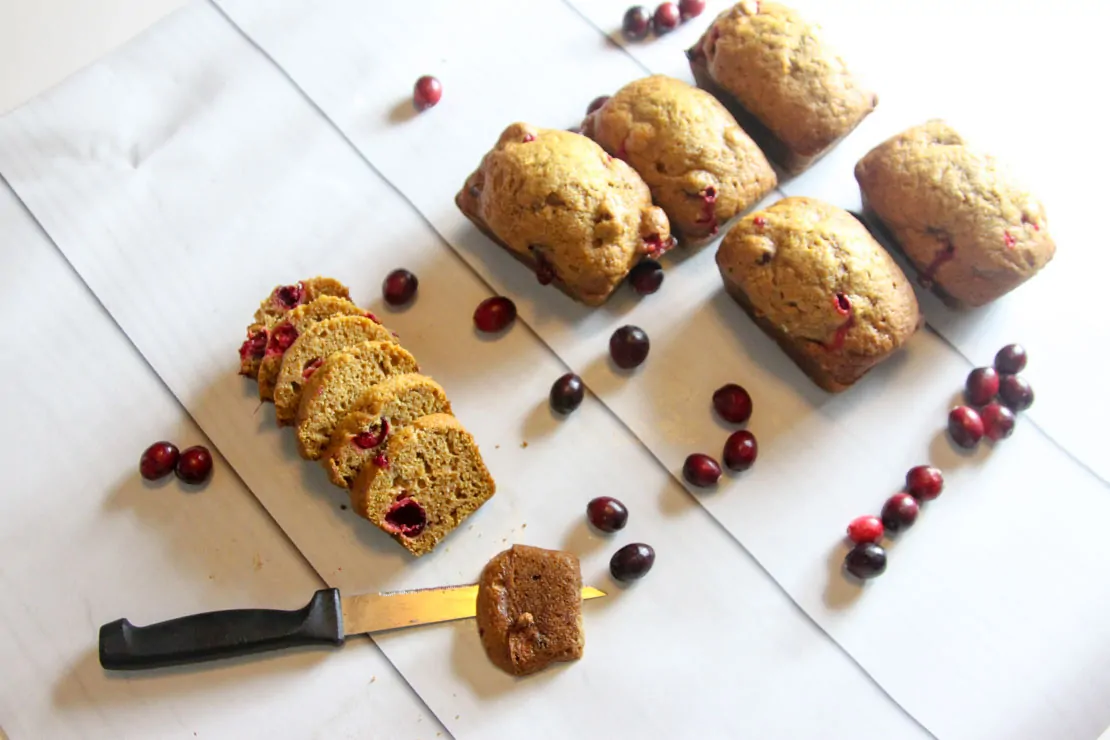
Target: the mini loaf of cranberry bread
pixel 281 300
pixel 331 391
pixel 813 278
pixel 781 80
pixel 529 609
pixel 285 333
pixel 557 202
pixel 429 480
pixel 970 230
pixel 700 165
pixel 383 409
pixel 311 349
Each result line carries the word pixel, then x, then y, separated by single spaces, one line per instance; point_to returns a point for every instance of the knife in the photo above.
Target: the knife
pixel 327 619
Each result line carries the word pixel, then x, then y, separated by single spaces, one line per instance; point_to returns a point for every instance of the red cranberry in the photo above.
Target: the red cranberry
pixel 494 314
pixel 311 367
pixel 666 18
pixel 733 403
pixel 629 347
pixel 842 304
pixel 399 287
pixel 282 338
pixel 255 345
pixel 426 92
pixel 690 8
pixel 701 470
pixel 289 296
pixel 372 437
pixel 1015 392
pixel 406 517
pixel 965 426
pixel 194 465
pixel 158 460
pixel 607 514
pixel 596 103
pixel 998 421
pixel 865 529
pixel 632 562
pixel 866 560
pixel 982 386
pixel 924 482
pixel 740 450
pixel 637 23
pixel 381 460
pixel 567 393
pixel 900 512
pixel 646 277
pixel 1010 359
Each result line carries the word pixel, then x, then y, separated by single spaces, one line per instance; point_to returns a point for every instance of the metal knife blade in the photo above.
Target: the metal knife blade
pixel 377 612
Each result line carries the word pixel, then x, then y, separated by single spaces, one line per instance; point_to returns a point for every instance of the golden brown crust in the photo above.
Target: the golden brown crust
pixel 290 328
pixel 765 60
pixel 529 609
pixel 702 168
pixel 971 231
pixel 557 202
pixel 282 299
pixel 818 283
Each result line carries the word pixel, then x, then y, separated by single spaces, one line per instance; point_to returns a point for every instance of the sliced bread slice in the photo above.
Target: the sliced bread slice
pixel 332 390
pixel 308 353
pixel 382 410
pixel 431 479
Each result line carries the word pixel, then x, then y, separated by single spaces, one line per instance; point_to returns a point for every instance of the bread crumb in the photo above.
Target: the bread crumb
pixel 373 679
pixel 523 444
pixel 343 506
pixel 523 526
pixel 497 447
pixel 456 716
pixel 257 562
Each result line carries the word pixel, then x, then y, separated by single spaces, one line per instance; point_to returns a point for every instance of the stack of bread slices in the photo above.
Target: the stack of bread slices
pixel 361 407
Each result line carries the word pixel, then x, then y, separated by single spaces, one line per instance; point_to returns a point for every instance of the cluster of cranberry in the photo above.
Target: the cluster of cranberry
pixel 867 558
pixel 638 22
pixel 733 404
pixel 631 562
pixel 995 395
pixel 193 465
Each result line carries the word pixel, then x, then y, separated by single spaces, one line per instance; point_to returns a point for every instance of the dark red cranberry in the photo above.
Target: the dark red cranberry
pixel 965 426
pixel 998 421
pixel 494 314
pixel 690 8
pixel 596 103
pixel 372 437
pixel 607 514
pixel 982 386
pixel 1010 359
pixel 567 393
pixel 629 347
pixel 842 304
pixel 1015 392
pixel 426 92
pixel 632 562
pixel 646 277
pixel 158 460
pixel 924 482
pixel 194 465
pixel 899 512
pixel 701 470
pixel 666 18
pixel 381 460
pixel 289 296
pixel 282 338
pixel 740 450
pixel 255 345
pixel 865 529
pixel 637 23
pixel 866 560
pixel 399 287
pixel 733 403
pixel 406 517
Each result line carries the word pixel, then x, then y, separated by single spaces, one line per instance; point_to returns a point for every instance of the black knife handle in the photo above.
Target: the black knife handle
pixel 123 646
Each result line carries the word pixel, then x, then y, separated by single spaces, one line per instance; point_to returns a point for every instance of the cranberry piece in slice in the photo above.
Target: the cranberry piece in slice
pixel 194 465
pixel 311 367
pixel 494 314
pixel 289 296
pixel 596 103
pixel 1015 392
pixel 965 426
pixel 701 470
pixel 158 460
pixel 646 277
pixel 426 92
pixel 372 437
pixel 567 393
pixel 255 345
pixel 1010 359
pixel 636 23
pixel 607 514
pixel 899 512
pixel 733 403
pixel 629 347
pixel 666 18
pixel 740 450
pixel 282 338
pixel 865 529
pixel 632 562
pixel 924 482
pixel 998 421
pixel 866 560
pixel 982 386
pixel 399 287
pixel 406 517
pixel 690 8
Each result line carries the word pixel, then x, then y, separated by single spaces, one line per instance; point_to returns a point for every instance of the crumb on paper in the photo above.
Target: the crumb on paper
pixel 497 447
pixel 523 444
pixel 373 679
pixel 456 716
pixel 257 562
pixel 524 526
pixel 211 577
pixel 343 506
